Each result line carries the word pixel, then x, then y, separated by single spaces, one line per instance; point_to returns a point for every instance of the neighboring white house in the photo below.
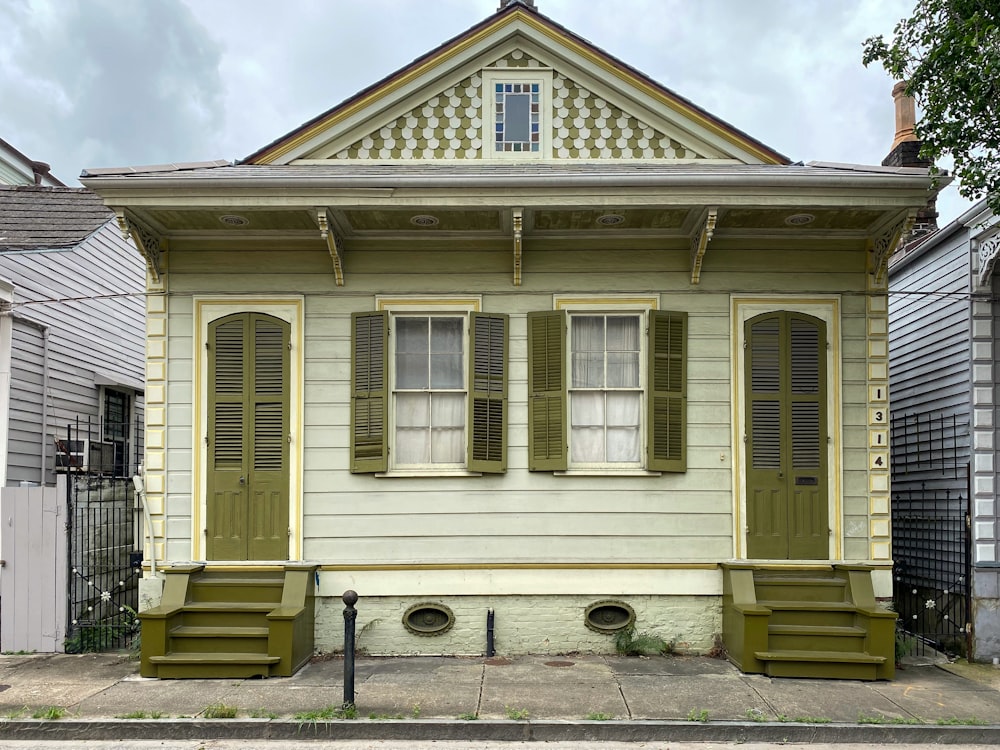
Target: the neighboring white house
pixel 18 169
pixel 71 331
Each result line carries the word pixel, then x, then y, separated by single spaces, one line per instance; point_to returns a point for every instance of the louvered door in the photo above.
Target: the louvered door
pixel 248 379
pixel 786 441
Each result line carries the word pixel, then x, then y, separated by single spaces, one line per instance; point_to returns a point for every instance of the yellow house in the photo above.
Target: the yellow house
pixel 519 331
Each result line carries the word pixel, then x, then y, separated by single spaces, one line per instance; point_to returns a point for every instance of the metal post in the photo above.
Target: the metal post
pixel 350 615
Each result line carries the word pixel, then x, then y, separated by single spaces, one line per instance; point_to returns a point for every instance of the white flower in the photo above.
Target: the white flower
pixel 929 604
pixel 105 596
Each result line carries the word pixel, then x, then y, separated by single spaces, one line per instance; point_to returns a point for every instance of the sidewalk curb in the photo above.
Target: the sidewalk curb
pixel 496 730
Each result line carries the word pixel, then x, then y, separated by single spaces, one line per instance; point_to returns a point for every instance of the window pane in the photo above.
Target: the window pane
pixel 411 352
pixel 587 347
pixel 412 433
pixel 587 419
pixel 446 353
pixel 448 428
pixel 623 351
pixel 623 427
pixel 517 117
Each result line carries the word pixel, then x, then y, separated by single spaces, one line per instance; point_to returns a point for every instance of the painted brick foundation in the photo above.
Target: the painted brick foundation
pixel 523 624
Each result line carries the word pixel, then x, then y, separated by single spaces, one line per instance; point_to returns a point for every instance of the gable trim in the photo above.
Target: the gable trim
pixel 277 151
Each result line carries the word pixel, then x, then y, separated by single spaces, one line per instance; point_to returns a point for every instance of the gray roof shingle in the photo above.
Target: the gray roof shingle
pixel 33 217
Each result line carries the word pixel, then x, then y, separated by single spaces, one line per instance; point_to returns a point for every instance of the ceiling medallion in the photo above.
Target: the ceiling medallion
pixel 799 220
pixel 610 220
pixel 232 220
pixel 425 220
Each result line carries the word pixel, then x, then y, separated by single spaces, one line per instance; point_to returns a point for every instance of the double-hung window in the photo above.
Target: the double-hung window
pixel 428 391
pixel 607 390
pixel 605 393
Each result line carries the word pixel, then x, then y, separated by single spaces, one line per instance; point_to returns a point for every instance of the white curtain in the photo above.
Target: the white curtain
pixel 430 425
pixel 605 423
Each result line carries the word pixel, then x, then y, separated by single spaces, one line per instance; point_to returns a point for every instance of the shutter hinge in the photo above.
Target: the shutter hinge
pixel 207 346
pixel 289 346
pixel 206 439
pixel 289 437
pixel 744 344
pixel 289 531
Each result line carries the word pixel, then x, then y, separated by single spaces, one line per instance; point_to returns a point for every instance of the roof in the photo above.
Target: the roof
pixel 457 174
pixel 514 12
pixel 33 217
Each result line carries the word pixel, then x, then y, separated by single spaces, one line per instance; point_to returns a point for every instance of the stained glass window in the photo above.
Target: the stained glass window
pixel 517 107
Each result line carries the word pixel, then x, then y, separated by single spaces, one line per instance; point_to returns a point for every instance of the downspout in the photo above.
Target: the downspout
pixel 45 402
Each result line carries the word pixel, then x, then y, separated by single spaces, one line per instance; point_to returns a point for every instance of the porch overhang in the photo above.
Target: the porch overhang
pixel 350 207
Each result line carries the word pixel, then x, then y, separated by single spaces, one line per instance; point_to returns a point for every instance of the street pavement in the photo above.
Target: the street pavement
pixel 574 698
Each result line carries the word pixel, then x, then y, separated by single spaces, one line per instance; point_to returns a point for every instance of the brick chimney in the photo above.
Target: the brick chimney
pixel 905 152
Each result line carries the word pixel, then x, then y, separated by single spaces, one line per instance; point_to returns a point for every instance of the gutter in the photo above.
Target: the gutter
pixel 548 182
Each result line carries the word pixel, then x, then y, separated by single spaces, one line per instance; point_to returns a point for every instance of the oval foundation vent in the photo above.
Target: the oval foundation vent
pixel 609 616
pixel 428 618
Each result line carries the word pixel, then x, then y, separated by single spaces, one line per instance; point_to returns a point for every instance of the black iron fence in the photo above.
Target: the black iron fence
pixel 104 525
pixel 932 545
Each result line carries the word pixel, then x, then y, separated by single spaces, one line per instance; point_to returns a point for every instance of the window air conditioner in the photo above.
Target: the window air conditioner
pixel 85 455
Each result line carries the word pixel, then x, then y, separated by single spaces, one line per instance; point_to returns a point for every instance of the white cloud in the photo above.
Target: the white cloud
pixel 103 82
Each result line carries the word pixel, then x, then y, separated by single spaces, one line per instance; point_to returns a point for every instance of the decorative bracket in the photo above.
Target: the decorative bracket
pixel 699 242
pixel 989 251
pixel 150 245
pixel 885 242
pixel 334 242
pixel 518 217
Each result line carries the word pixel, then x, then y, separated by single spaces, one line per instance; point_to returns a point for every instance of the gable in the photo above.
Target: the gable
pixel 580 125
pixel 589 106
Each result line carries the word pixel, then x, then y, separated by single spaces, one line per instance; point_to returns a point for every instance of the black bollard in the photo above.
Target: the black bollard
pixel 350 615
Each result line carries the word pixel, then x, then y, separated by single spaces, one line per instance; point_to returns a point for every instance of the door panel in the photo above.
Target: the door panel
pixel 248 438
pixel 786 437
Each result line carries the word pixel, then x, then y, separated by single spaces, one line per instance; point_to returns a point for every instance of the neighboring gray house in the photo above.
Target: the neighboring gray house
pixel 943 355
pixel 72 333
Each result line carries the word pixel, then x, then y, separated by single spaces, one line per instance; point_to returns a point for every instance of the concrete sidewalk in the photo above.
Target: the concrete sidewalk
pixel 527 697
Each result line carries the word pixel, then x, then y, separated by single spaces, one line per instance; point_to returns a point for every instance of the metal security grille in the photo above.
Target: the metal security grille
pixel 104 529
pixel 932 546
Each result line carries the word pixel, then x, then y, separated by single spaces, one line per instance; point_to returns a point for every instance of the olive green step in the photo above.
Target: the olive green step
pixel 840 665
pixel 221 588
pixel 800 588
pixel 840 614
pixel 816 637
pixel 187 665
pixel 212 639
pixel 227 614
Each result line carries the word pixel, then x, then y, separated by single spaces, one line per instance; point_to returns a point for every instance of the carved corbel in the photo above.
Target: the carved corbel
pixel 150 245
pixel 989 251
pixel 699 242
pixel 518 217
pixel 884 244
pixel 334 243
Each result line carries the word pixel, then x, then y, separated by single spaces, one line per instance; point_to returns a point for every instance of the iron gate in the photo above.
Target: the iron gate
pixel 104 532
pixel 932 544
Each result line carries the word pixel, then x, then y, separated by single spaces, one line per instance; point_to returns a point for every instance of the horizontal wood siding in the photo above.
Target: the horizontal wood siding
pixel 520 516
pixel 98 330
pixel 929 335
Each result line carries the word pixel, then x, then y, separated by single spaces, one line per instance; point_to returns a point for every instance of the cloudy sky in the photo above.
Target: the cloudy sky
pixel 93 83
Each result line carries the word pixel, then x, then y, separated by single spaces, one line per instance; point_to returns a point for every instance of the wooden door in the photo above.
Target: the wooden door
pixel 786 441
pixel 248 380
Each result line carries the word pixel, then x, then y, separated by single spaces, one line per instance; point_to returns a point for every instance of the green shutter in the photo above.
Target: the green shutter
pixel 667 399
pixel 488 391
pixel 547 391
pixel 369 392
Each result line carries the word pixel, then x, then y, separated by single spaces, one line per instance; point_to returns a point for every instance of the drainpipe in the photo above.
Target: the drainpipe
pixel 45 401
